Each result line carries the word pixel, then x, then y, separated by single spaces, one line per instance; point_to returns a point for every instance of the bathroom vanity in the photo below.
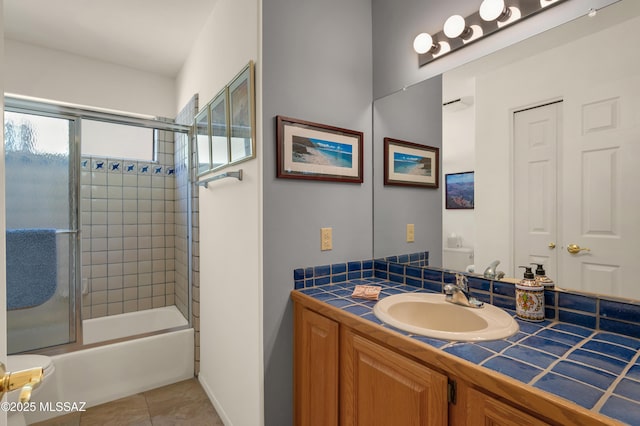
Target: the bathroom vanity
pixel 351 369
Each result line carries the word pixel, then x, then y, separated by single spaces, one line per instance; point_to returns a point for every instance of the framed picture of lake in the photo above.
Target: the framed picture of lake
pixel 313 151
pixel 411 164
pixel 459 190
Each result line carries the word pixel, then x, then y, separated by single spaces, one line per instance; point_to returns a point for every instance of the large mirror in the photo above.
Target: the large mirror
pixel 551 128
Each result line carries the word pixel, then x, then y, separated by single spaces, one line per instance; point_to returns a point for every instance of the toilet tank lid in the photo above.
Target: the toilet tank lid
pixel 25 362
pixel 459 249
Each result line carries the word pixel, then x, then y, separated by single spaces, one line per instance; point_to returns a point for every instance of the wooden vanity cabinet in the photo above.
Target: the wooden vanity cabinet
pixel 344 375
pixel 315 388
pixel 380 387
pixel 475 408
pixel 343 378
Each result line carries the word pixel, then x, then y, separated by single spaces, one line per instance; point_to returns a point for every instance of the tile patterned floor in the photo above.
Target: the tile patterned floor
pixel 182 403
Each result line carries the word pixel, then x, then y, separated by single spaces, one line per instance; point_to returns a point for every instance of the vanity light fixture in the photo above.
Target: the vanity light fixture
pixel 455 26
pixel 514 15
pixel 459 31
pixel 494 10
pixel 545 3
pixel 423 43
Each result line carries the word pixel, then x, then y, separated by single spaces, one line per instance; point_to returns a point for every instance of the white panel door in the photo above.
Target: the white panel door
pixel 601 188
pixel 536 140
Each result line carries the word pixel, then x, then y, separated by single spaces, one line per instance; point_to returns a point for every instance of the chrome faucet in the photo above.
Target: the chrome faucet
pixel 491 273
pixel 458 293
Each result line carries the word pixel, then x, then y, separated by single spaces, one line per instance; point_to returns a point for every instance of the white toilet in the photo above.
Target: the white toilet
pixel 45 391
pixel 457 258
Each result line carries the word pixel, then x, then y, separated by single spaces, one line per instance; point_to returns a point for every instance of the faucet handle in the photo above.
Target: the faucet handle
pixel 462 282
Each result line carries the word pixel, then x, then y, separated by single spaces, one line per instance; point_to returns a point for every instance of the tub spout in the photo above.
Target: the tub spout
pixel 26 380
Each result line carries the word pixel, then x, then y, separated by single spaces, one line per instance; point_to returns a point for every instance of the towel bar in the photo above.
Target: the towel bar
pixel 67 231
pixel 205 182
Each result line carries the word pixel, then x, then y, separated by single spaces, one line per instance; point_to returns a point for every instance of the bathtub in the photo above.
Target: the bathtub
pixel 130 324
pixel 108 372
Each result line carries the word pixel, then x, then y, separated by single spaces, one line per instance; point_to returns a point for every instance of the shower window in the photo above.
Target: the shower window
pixel 103 139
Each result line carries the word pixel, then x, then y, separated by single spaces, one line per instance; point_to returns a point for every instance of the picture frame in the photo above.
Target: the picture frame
pixel 241 101
pixel 202 142
pixel 219 123
pixel 314 151
pixel 459 190
pixel 411 164
pixel 225 127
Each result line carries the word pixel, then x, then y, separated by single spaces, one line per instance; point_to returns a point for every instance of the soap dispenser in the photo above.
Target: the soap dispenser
pixel 529 297
pixel 541 276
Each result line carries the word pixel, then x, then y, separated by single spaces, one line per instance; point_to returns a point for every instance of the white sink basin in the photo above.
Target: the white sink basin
pixel 430 315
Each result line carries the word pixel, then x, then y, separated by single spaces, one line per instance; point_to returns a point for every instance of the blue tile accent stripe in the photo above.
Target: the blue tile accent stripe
pixel 332 274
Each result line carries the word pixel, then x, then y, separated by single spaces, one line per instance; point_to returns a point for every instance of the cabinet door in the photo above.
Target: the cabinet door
pixel 381 387
pixel 483 410
pixel 315 368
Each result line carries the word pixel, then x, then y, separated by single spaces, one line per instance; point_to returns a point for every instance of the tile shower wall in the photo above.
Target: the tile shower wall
pixel 186 116
pixel 128 232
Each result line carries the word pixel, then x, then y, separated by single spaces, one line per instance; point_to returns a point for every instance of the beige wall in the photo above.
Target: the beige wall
pixel 53 74
pixel 230 217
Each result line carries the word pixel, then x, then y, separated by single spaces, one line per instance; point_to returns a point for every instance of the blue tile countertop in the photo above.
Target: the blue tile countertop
pixel 597 370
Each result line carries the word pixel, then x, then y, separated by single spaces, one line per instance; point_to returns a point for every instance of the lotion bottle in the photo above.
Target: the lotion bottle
pixel 541 276
pixel 529 297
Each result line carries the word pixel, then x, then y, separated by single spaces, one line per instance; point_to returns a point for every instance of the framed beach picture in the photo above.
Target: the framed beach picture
pixel 226 125
pixel 218 116
pixel 411 164
pixel 315 151
pixel 459 190
pixel 241 115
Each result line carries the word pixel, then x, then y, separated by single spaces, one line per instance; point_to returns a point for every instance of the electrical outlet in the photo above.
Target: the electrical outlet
pixel 326 239
pixel 411 233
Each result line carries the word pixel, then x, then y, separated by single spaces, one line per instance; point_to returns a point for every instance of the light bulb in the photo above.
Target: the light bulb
pixel 422 43
pixel 490 10
pixel 454 26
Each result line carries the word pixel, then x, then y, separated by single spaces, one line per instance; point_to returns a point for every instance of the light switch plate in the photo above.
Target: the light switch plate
pixel 411 233
pixel 326 239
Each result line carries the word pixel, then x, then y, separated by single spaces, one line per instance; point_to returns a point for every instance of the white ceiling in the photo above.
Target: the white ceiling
pixel 149 35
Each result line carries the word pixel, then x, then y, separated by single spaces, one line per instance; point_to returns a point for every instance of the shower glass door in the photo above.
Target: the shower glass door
pixel 42 223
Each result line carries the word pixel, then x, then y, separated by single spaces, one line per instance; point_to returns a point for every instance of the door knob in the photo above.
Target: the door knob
pixel 574 248
pixel 24 379
pixel 552 245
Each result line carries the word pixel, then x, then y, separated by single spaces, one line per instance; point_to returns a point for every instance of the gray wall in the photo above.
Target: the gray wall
pixel 413 115
pixel 316 67
pixel 396 23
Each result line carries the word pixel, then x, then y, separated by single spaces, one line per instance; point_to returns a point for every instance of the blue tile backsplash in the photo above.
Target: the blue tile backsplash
pixel 412 269
pixel 586 351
